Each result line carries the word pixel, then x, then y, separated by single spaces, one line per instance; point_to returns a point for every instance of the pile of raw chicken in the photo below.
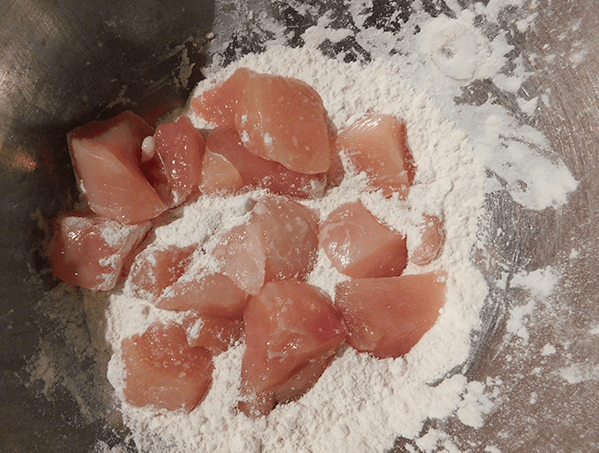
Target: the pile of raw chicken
pixel 271 133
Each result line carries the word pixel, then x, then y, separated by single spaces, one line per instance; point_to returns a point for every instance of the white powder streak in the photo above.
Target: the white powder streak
pixel 540 282
pixel 447 56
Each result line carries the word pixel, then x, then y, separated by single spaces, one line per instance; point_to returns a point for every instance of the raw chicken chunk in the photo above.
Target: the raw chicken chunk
pixel 290 238
pixel 89 251
pixel 176 168
pixel 359 246
pixel 279 242
pixel 258 172
pixel 219 105
pixel 292 333
pixel 162 370
pixel 207 295
pixel 284 120
pixel 377 145
pixel 387 316
pixel 106 156
pixel 242 251
pixel 215 333
pixel 155 269
pixel 219 175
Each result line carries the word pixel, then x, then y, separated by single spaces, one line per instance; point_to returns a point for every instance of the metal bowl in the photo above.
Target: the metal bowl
pixel 62 64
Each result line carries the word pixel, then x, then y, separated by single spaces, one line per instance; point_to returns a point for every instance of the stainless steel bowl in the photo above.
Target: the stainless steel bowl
pixel 64 63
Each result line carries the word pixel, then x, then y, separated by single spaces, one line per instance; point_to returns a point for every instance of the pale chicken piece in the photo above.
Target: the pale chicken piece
pixel 242 251
pixel 206 295
pixel 361 247
pixel 163 371
pixel 107 160
pixel 258 172
pixel 90 251
pixel 279 242
pixel 215 333
pixel 154 269
pixel 175 169
pixel 377 145
pixel 219 175
pixel 387 316
pixel 219 105
pixel 292 333
pixel 284 120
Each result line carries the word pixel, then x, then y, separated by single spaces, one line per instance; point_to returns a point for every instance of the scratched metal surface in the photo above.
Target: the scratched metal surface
pixel 61 66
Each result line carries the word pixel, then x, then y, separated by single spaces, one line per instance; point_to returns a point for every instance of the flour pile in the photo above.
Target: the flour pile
pixel 359 401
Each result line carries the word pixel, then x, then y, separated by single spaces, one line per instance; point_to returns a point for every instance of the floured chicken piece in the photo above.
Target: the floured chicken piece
pixel 163 371
pixel 257 172
pixel 215 333
pixel 279 242
pixel 292 333
pixel 302 144
pixel 155 269
pixel 219 105
pixel 359 246
pixel 206 295
pixel 242 252
pixel 430 242
pixel 89 251
pixel 377 145
pixel 107 160
pixel 257 102
pixel 219 175
pixel 175 169
pixel 387 316
pixel 215 310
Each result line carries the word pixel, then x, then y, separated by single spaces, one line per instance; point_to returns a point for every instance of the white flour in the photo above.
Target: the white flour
pixel 360 403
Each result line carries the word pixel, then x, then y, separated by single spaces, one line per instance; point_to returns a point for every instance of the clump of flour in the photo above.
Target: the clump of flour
pixel 360 402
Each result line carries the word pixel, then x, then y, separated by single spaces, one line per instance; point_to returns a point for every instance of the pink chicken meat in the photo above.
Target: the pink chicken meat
pixel 387 316
pixel 107 159
pixel 292 333
pixel 361 247
pixel 90 251
pixel 162 370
